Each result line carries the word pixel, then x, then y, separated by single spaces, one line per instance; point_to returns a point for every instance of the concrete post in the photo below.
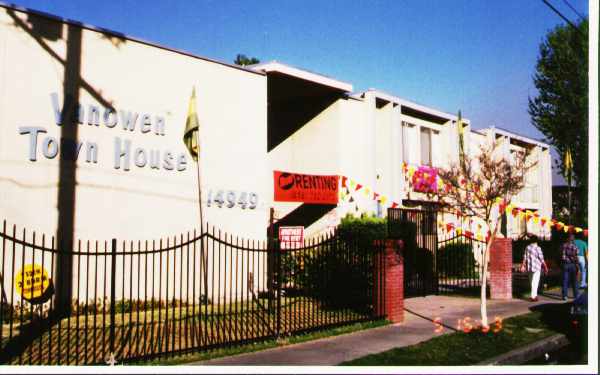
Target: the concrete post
pixel 389 283
pixel 501 269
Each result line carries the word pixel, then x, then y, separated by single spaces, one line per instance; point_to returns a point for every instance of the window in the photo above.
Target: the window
pixel 426 146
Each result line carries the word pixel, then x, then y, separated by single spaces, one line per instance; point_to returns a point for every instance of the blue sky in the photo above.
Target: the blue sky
pixel 474 55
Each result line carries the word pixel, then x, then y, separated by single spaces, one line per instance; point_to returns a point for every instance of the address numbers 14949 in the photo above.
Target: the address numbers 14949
pixel 230 198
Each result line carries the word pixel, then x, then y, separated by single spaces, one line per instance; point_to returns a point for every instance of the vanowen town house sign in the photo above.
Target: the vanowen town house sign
pixel 125 154
pixel 92 135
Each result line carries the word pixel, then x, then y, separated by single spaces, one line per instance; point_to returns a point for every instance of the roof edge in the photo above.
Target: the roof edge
pixel 275 66
pixel 514 135
pixel 396 99
pixel 121 35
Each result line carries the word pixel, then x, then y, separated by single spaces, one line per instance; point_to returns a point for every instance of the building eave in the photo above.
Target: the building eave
pixel 277 67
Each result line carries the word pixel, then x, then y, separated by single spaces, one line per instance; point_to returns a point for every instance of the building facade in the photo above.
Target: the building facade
pixel 373 139
pixel 92 131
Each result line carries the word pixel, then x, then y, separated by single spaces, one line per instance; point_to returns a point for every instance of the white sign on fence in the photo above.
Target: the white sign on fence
pixel 291 237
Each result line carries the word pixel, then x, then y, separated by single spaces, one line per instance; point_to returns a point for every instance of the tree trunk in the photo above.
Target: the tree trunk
pixel 483 306
pixel 486 256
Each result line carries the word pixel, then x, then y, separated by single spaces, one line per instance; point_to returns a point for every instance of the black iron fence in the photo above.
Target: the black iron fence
pixel 460 264
pixel 437 261
pixel 418 230
pixel 139 300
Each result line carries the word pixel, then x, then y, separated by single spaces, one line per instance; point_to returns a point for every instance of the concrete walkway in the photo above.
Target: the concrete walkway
pixel 418 326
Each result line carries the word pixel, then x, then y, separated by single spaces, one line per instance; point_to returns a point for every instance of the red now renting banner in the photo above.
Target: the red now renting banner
pixel 295 187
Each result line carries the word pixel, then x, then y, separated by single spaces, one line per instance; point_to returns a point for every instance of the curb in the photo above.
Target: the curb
pixel 528 352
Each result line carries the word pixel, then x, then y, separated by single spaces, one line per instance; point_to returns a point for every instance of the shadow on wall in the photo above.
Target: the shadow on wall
pixel 292 103
pixel 43 31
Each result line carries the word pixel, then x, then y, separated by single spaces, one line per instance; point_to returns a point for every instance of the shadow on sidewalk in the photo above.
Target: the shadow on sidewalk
pixel 558 317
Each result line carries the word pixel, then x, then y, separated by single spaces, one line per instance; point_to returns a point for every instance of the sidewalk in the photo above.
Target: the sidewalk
pixel 417 326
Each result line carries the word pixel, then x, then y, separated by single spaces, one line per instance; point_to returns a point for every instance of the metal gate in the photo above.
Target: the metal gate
pixel 459 263
pixel 436 261
pixel 135 300
pixel 418 230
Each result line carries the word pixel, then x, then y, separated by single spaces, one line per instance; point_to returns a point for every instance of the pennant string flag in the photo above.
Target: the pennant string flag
pixel 503 206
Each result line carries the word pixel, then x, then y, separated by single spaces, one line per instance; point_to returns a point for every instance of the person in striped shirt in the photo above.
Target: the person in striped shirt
pixel 533 263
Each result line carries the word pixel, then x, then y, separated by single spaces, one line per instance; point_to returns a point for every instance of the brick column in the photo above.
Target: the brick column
pixel 389 280
pixel 500 267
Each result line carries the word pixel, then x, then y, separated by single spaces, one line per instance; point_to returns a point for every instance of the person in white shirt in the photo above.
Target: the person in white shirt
pixel 533 263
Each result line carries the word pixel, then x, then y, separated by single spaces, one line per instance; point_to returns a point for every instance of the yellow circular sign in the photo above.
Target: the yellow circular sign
pixel 32 281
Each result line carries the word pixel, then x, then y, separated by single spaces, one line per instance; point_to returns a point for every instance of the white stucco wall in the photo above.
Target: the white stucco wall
pixel 142 203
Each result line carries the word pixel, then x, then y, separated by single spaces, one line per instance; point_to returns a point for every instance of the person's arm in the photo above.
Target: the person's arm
pixel 544 265
pixel 524 260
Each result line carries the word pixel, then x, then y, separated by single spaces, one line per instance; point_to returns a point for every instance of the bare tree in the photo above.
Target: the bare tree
pixel 481 187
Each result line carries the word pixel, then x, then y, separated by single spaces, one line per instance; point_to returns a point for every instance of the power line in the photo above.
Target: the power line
pixel 573 9
pixel 562 16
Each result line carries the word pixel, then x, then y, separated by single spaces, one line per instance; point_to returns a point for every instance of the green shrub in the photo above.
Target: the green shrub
pixel 456 259
pixel 340 273
pixel 404 230
pixel 363 230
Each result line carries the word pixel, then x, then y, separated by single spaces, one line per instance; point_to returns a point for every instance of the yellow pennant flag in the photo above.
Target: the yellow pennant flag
pixel 192 128
pixel 411 171
pixel 383 199
pixel 568 161
pixel 440 183
pixel 458 231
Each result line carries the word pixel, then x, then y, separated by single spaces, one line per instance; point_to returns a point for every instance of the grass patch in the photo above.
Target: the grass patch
pixel 467 348
pixel 158 332
pixel 248 348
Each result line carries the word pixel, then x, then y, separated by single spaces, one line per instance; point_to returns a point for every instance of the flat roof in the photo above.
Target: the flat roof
pixel 121 35
pixel 277 67
pixel 395 99
pixel 516 136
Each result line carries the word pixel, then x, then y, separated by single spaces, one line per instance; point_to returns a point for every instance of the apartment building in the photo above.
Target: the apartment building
pixel 371 137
